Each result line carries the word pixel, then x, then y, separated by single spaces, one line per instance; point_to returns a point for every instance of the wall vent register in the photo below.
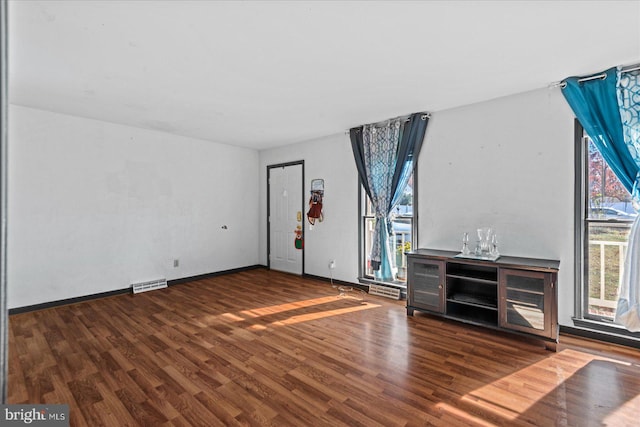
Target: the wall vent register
pixel 149 286
pixel 384 291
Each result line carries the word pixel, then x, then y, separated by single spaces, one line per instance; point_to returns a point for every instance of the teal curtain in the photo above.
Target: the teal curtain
pixel 385 154
pixel 595 104
pixel 608 108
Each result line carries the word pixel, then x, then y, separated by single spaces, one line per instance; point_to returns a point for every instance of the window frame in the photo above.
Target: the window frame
pixel 362 217
pixel 582 319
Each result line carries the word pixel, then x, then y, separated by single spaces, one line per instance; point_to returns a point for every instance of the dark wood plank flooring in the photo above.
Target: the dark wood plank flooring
pixel 265 348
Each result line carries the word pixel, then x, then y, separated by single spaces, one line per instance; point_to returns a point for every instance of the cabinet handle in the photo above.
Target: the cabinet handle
pixel 439 286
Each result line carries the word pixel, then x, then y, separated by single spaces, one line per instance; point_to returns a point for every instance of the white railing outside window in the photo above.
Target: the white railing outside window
pixel 603 270
pixel 607 250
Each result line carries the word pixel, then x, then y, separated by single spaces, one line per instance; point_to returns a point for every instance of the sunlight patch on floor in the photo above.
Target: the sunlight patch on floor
pixel 322 314
pixel 306 305
pixel 499 396
pixel 279 308
pixel 232 317
pixel 632 407
pixel 461 414
pixel 512 396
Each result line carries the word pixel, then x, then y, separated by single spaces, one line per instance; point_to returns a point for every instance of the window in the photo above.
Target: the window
pixel 401 237
pixel 604 218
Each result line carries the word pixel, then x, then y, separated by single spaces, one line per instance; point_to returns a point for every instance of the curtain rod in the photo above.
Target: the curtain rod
pixel 424 116
pixel 563 84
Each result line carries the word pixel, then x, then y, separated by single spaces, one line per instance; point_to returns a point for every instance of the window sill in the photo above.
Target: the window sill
pixel 603 331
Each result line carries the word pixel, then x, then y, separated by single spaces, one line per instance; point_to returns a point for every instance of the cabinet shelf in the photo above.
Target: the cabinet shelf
pixel 474 279
pixel 472 314
pixel 426 293
pixel 524 303
pixel 480 273
pixel 525 291
pixel 474 301
pixel 430 276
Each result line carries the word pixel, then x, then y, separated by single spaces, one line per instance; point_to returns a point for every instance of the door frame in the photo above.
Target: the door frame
pixel 283 165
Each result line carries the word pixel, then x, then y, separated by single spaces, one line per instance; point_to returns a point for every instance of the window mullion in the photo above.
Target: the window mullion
pixel 581 244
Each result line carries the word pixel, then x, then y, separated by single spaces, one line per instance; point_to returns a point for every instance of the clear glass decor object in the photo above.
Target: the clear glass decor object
pixel 494 246
pixel 486 247
pixel 465 244
pixel 485 235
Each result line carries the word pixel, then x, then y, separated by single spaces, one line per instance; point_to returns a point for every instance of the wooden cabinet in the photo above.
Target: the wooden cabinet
pixel 527 302
pixel 512 294
pixel 427 291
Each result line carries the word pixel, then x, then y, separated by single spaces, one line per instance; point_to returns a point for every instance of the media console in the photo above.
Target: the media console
pixel 512 294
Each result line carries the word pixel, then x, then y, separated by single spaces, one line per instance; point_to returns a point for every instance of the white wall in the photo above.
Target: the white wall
pixel 336 237
pixel 95 206
pixel 506 163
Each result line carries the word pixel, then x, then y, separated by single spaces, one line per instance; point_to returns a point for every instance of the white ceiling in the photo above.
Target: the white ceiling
pixel 264 74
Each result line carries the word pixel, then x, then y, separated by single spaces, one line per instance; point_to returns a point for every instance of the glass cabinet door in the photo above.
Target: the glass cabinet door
pixel 425 285
pixel 525 299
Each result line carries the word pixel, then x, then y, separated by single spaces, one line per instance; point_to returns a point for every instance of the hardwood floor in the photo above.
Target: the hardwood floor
pixel 265 348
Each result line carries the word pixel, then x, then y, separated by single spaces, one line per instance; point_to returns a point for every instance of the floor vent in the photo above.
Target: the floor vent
pixel 384 291
pixel 149 286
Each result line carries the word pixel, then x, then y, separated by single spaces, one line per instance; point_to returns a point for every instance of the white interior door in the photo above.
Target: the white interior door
pixel 285 214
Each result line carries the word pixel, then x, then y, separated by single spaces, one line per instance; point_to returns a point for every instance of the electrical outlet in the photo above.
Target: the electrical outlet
pixel 176 263
pixel 332 264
